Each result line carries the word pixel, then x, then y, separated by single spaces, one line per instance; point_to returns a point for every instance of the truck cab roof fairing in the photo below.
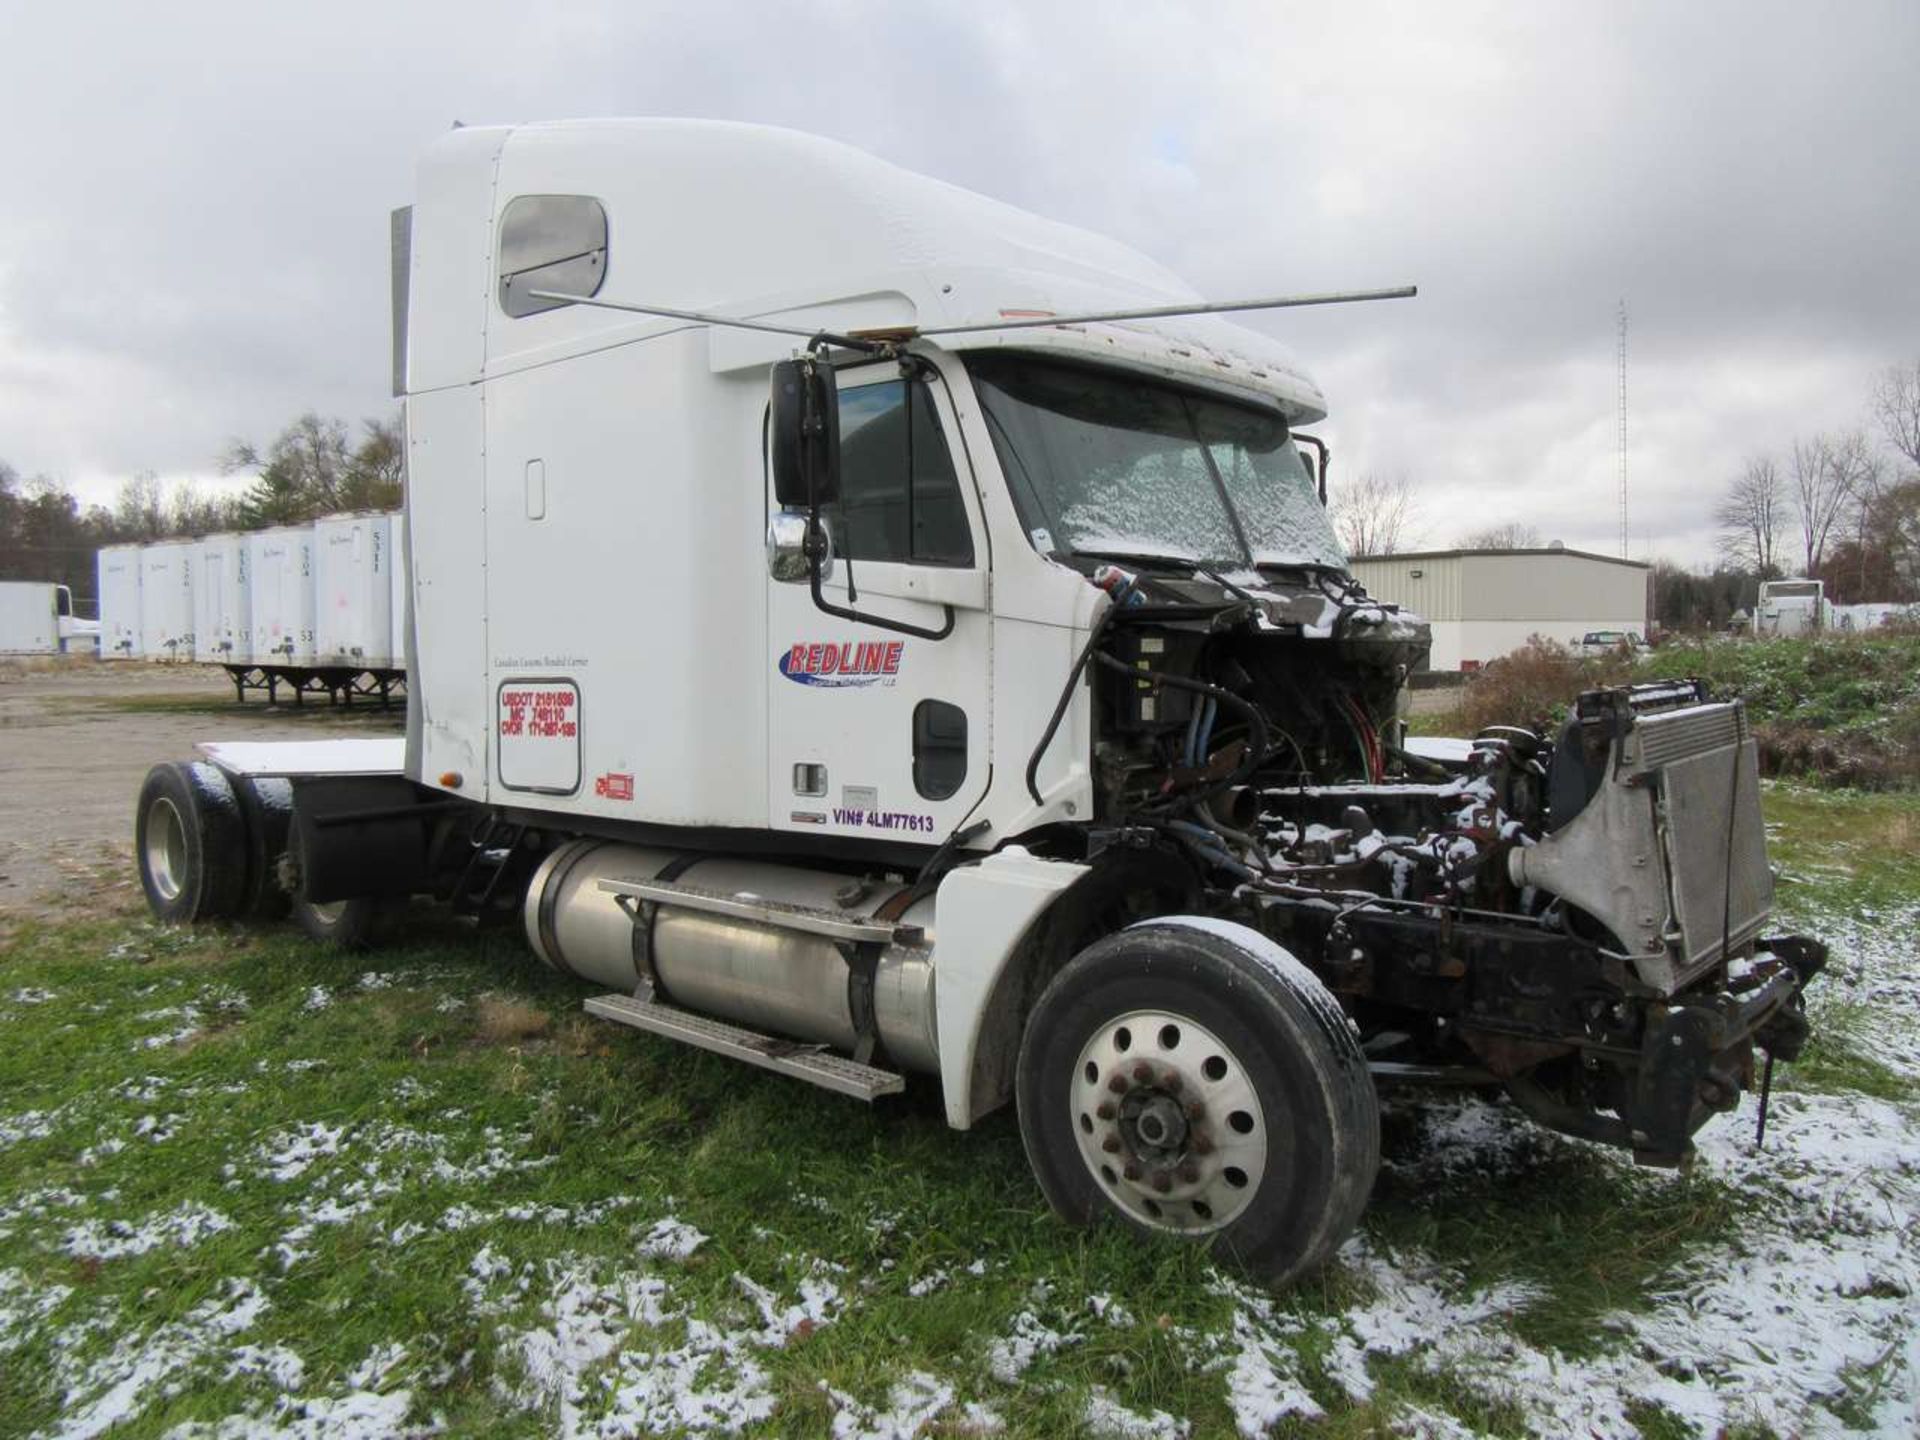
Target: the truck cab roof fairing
pixel 803 226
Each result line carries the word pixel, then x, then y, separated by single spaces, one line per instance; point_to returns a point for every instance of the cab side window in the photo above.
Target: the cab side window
pixel 899 495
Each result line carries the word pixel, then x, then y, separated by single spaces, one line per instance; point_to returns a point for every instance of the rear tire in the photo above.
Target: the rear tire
pixel 342 924
pixel 1198 1082
pixel 191 843
pixel 267 804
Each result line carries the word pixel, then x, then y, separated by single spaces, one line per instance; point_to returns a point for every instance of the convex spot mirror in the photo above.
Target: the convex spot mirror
pixel 787 556
pixel 804 420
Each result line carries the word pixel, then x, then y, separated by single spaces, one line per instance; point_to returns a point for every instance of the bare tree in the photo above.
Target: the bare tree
pixel 1376 515
pixel 376 471
pixel 1513 535
pixel 300 474
pixel 1822 489
pixel 140 510
pixel 1895 403
pixel 1751 515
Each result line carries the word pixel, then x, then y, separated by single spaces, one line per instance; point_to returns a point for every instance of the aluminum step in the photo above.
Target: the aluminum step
pixel 780 914
pixel 769 1052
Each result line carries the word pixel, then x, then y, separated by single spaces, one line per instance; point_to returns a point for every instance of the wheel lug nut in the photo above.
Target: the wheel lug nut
pixel 1130 1171
pixel 1106 1110
pixel 1162 1181
pixel 1189 1173
pixel 1118 1084
pixel 1202 1144
pixel 1143 1072
pixel 1171 1084
pixel 1111 1144
pixel 1196 1111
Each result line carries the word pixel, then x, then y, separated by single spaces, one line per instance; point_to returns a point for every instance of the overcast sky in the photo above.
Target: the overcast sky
pixel 193 237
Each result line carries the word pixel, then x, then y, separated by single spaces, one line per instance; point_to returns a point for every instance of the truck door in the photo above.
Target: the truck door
pixel 872 733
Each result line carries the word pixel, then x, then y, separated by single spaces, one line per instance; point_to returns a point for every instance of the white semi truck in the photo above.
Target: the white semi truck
pixel 37 618
pixel 1795 606
pixel 867 630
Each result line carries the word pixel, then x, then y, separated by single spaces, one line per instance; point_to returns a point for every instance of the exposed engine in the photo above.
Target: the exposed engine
pixel 1575 915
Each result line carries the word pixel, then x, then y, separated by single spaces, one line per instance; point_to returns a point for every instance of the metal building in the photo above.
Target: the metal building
pixel 1483 604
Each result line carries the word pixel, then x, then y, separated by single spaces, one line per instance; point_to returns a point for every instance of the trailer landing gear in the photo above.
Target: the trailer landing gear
pixel 1193 1081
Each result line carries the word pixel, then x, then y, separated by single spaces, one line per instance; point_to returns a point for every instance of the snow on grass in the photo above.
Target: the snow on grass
pixel 1107 1419
pixel 114 1388
pixel 188 1224
pixel 1029 1338
pixel 290 1154
pixel 914 1403
pixel 579 1357
pixel 28 1125
pixel 670 1239
pixel 1812 1303
pixel 23 1305
pixel 1873 967
pixel 356 1416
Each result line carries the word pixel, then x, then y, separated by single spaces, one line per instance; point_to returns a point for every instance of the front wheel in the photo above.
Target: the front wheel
pixel 1195 1080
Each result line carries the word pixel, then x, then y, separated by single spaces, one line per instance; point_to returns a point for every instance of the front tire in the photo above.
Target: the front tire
pixel 1195 1080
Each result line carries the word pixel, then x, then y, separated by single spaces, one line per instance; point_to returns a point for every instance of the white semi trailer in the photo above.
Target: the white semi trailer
pixel 166 599
pixel 864 629
pixel 353 584
pixel 222 601
pixel 117 571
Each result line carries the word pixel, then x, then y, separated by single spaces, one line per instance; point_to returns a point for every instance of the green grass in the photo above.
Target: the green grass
pixel 1843 710
pixel 466 1076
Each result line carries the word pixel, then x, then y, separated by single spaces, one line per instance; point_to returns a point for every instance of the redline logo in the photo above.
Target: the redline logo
pixel 851 662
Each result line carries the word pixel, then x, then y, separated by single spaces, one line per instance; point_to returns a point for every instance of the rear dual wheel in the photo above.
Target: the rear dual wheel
pixel 191 842
pixel 209 847
pixel 1196 1081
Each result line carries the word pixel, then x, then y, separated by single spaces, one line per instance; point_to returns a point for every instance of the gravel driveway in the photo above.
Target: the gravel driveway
pixel 77 738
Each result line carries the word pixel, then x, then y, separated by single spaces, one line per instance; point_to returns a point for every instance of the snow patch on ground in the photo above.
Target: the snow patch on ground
pixel 1873 969
pixel 1106 1418
pixel 186 1225
pixel 670 1239
pixel 114 1388
pixel 290 1154
pixel 1813 1302
pixel 1029 1338
pixel 914 1403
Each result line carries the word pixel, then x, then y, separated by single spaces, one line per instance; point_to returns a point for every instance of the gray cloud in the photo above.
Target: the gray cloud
pixel 193 245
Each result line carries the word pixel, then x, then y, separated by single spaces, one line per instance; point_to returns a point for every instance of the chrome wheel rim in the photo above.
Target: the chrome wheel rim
pixel 1168 1122
pixel 166 849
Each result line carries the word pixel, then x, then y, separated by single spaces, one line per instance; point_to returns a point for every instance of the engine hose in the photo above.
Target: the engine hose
pixel 1256 740
pixel 1209 847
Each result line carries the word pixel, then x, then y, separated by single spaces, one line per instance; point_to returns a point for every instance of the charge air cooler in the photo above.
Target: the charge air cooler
pixel 1668 850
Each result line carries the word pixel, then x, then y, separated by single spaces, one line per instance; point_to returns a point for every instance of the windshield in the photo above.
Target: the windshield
pixel 1107 463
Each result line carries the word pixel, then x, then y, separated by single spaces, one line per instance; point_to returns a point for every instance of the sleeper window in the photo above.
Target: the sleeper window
pixel 550 242
pixel 899 496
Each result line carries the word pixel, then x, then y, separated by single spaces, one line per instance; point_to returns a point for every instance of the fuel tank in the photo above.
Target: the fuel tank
pixel 760 975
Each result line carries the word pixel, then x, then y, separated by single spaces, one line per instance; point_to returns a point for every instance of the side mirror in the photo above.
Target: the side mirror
pixel 804 425
pixel 788 558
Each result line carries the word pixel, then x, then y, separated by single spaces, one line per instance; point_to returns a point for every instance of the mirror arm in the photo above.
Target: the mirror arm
pixel 815 551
